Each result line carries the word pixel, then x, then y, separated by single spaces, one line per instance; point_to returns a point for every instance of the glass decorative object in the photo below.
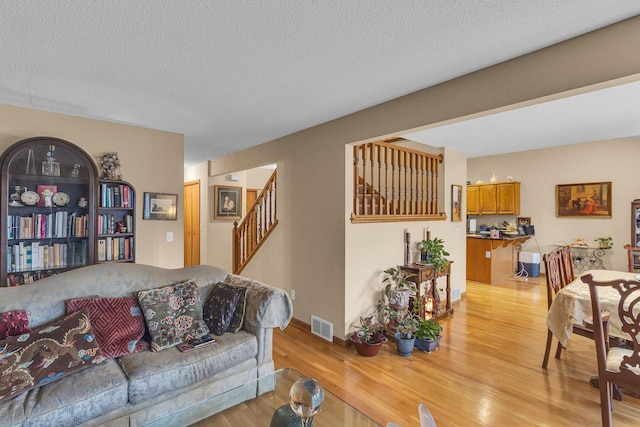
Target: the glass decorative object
pixel 305 398
pixel 75 172
pixel 31 163
pixel 50 167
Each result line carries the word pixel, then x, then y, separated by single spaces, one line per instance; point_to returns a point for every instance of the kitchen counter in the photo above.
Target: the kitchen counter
pixel 492 260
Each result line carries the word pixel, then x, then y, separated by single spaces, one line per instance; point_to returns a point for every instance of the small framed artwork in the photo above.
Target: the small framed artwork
pixel 160 206
pixel 227 202
pixel 591 200
pixel 456 203
pixel 523 221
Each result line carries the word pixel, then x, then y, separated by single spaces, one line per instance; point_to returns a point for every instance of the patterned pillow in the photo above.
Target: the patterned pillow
pixel 238 314
pixel 47 353
pixel 221 306
pixel 173 314
pixel 117 322
pixel 13 323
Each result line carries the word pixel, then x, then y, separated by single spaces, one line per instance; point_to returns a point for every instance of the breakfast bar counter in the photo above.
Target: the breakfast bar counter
pixel 492 260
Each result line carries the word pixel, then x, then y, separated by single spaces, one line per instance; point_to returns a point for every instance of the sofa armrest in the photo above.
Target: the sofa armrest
pixel 266 306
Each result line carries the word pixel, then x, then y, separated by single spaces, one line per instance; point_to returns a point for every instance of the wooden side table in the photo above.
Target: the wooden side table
pixel 425 275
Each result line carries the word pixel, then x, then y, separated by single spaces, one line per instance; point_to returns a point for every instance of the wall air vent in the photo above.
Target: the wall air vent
pixel 322 328
pixel 455 294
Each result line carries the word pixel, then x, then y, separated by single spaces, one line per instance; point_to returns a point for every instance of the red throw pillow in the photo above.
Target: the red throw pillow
pixel 117 322
pixel 13 323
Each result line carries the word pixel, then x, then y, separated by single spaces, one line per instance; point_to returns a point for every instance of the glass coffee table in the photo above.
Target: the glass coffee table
pixel 255 403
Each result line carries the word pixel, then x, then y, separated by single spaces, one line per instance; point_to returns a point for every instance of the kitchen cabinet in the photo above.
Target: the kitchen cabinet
pixel 493 199
pixel 492 261
pixel 473 200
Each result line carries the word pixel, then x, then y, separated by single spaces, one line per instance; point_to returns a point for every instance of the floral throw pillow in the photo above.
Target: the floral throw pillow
pixel 13 323
pixel 238 314
pixel 117 322
pixel 46 354
pixel 221 305
pixel 173 314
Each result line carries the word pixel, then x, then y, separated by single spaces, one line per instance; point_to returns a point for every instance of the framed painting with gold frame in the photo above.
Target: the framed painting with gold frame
pixel 592 199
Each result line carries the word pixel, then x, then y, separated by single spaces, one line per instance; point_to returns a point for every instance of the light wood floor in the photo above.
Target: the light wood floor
pixel 487 371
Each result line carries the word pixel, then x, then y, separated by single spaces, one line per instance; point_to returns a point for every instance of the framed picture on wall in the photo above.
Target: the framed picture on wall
pixel 456 203
pixel 591 199
pixel 160 206
pixel 227 203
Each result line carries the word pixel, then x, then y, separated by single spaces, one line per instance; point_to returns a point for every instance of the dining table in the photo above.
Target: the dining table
pixel 572 304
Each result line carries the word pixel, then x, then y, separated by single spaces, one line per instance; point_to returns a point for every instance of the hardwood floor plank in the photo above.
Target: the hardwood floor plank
pixel 487 371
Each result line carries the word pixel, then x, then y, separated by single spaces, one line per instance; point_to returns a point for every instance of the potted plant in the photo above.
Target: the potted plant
pixel 405 332
pixel 428 334
pixel 433 252
pixel 369 336
pixel 398 288
pixel 604 242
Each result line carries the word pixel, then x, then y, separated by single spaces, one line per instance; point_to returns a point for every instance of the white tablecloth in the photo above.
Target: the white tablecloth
pixel 573 303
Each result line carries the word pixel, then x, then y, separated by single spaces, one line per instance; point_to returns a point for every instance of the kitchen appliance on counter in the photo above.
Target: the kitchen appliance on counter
pixel 472 226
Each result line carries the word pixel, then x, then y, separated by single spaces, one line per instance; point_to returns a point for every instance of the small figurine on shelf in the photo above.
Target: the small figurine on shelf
pixel 47 194
pixel 75 173
pixel 83 202
pixel 14 199
pixel 110 166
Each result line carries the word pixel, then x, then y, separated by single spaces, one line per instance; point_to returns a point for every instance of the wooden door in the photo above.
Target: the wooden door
pixel 191 223
pixel 252 195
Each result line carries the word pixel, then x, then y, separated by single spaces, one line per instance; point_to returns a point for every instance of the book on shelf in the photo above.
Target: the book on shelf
pixel 117 196
pixel 121 248
pixel 102 250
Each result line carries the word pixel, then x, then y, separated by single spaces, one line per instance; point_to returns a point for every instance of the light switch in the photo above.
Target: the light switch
pixel 169 236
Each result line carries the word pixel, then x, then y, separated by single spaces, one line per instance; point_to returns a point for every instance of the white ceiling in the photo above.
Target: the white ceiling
pixel 233 74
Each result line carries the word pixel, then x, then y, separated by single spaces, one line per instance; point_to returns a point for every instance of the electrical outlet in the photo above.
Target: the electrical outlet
pixel 293 294
pixel 487 254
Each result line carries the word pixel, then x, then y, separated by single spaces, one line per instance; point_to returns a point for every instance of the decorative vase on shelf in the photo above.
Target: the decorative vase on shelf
pixel 494 179
pixel 49 166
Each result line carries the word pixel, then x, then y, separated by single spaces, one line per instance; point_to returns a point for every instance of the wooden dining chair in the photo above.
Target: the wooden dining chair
pixel 555 282
pixel 617 366
pixel 633 254
pixel 566 265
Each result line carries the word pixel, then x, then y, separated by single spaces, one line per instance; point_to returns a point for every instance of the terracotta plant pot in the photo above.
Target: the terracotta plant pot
pixel 366 349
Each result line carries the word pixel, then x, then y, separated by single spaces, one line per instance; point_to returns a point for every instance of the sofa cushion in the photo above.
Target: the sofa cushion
pixel 173 314
pixel 153 374
pixel 238 314
pixel 72 400
pixel 47 353
pixel 13 323
pixel 117 322
pixel 220 306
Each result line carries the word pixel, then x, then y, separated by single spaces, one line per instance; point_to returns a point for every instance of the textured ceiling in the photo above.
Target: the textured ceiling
pixel 233 74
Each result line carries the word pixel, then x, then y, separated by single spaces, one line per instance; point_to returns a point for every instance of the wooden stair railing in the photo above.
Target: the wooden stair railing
pixel 256 226
pixel 394 183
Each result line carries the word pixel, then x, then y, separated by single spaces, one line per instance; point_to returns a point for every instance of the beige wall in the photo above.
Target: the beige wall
pixel 151 161
pixel 333 265
pixel 613 161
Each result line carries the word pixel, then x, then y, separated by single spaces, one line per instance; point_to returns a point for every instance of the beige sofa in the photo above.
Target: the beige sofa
pixel 141 388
